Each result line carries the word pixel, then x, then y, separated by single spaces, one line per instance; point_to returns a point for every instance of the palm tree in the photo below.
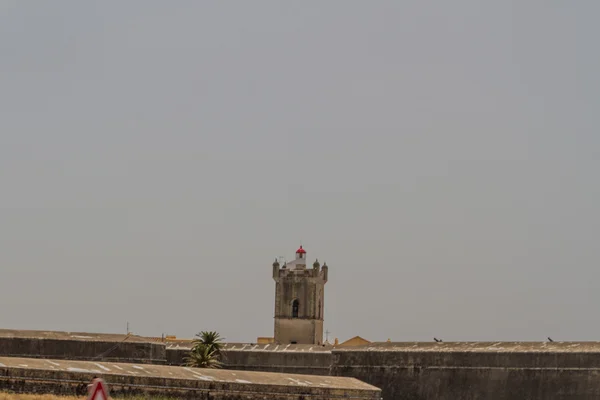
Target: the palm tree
pixel 210 339
pixel 202 357
pixel 206 351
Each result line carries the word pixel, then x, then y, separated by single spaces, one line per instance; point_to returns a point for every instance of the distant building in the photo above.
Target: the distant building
pixel 355 341
pixel 299 301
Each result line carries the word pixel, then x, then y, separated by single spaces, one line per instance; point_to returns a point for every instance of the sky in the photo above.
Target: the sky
pixel 441 157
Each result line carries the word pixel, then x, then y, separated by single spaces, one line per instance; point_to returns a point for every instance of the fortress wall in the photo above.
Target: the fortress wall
pixel 293 362
pixel 477 359
pixel 72 349
pixel 455 373
pixel 299 359
pixel 22 375
pixel 177 356
pixel 426 370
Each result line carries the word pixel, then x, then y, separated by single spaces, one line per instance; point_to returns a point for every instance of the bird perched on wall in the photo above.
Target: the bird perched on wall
pixel 550 340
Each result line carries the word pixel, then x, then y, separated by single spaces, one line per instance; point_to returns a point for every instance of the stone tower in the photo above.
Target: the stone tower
pixel 299 301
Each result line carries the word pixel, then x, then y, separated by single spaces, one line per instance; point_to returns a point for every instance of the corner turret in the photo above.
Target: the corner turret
pixel 324 271
pixel 316 266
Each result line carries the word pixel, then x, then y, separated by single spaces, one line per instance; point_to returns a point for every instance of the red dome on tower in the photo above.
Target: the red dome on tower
pixel 300 250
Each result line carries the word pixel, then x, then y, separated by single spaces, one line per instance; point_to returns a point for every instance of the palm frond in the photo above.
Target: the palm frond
pixel 203 355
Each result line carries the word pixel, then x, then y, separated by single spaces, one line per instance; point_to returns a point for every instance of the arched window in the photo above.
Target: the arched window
pixel 295 307
pixel 319 317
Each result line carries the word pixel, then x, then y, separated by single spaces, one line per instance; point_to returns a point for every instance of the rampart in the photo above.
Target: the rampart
pixel 444 371
pixel 416 371
pixel 81 346
pixel 292 359
pixel 26 375
pixel 461 371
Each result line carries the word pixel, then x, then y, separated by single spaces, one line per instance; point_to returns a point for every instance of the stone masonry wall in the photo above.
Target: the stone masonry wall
pixel 176 356
pixel 456 375
pixel 310 363
pixel 419 371
pixel 22 380
pixel 135 352
pixel 445 375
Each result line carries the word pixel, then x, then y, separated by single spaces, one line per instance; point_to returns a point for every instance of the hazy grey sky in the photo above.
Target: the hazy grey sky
pixel 442 157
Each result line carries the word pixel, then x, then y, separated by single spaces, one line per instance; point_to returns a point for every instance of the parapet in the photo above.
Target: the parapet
pixel 295 273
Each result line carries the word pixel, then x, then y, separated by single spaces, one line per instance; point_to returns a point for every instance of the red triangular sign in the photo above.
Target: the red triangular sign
pixel 98 390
